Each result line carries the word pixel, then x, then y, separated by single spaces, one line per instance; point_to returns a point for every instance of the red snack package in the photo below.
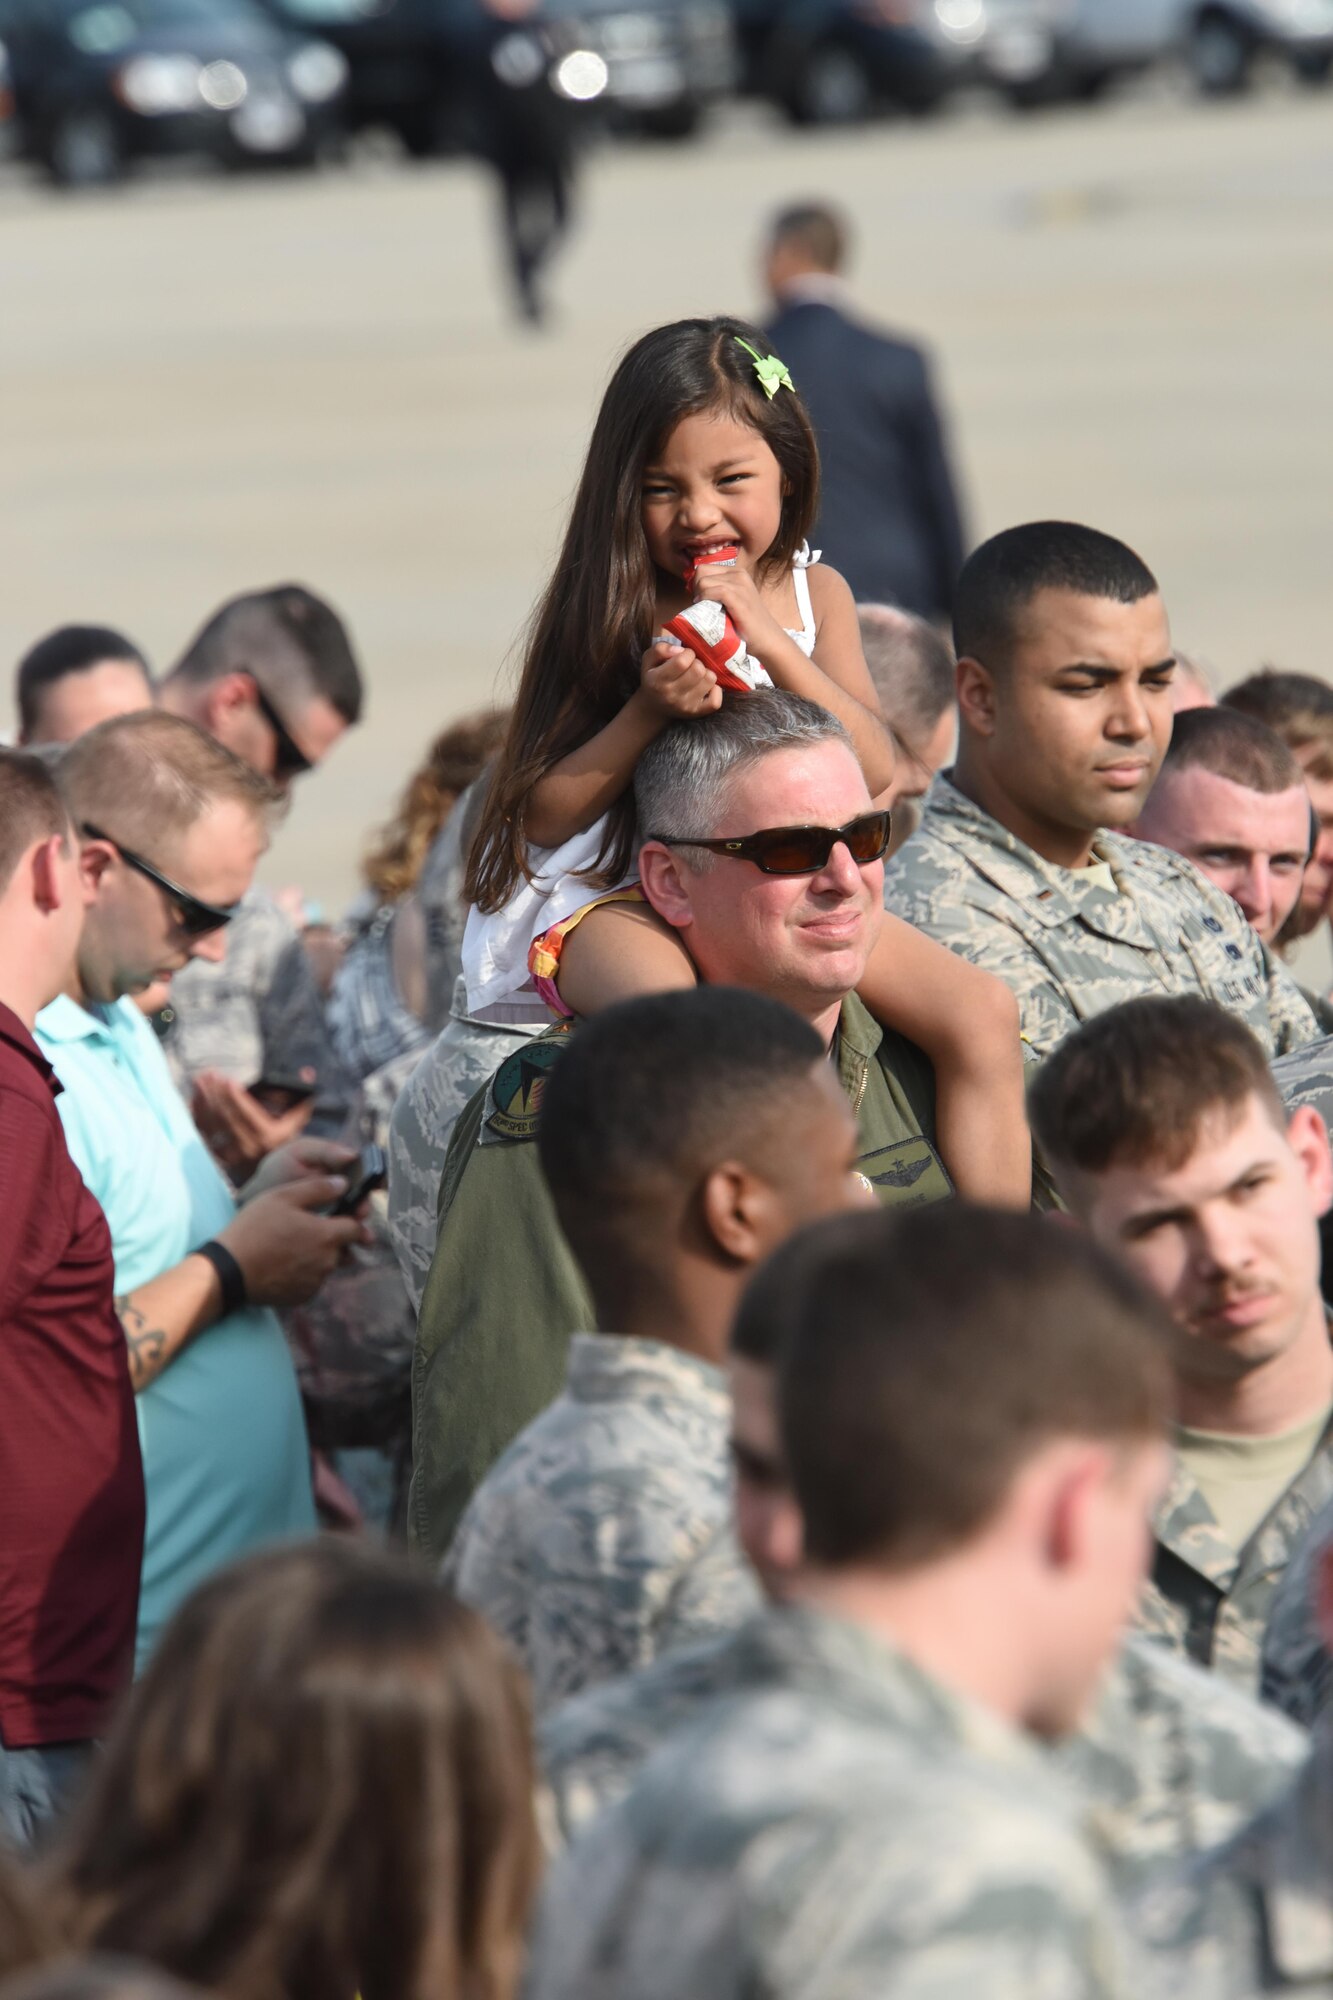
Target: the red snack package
pixel 710 635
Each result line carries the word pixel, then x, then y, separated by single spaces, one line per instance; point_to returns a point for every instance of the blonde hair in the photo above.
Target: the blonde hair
pixel 146 778
pixel 458 755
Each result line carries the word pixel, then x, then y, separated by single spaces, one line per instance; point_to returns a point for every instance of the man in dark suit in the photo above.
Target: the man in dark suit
pixel 889 516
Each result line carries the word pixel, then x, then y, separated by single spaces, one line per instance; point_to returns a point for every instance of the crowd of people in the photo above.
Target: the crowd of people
pixel 726 1388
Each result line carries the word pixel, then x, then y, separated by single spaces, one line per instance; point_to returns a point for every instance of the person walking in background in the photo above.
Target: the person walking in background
pixel 888 505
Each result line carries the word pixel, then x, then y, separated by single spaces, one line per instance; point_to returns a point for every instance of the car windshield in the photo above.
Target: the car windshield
pixel 108 25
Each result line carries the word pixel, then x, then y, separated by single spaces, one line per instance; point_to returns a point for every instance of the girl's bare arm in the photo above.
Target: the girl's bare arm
pixel 574 793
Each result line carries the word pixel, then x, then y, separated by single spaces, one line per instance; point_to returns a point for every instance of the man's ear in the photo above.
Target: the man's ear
pixel 665 881
pixel 47 891
pixel 739 1212
pixel 95 857
pixel 1076 1480
pixel 976 697
pixel 224 699
pixel 1307 1135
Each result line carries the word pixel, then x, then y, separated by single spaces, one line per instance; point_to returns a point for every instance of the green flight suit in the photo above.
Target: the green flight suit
pixel 505 1296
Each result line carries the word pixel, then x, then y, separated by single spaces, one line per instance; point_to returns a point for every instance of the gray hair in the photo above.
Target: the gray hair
pixel 682 778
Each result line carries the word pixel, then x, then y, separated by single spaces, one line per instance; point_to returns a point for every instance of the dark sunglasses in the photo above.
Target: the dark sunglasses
pixel 291 759
pixel 194 917
pixel 799 850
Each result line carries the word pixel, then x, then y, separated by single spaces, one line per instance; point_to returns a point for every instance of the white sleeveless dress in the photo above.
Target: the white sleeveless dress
pixel 500 987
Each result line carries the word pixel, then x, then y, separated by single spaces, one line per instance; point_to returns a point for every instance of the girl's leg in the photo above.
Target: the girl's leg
pixel 966 1020
pixel 620 951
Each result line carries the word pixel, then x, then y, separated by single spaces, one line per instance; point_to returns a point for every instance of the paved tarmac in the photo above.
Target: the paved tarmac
pixel 207 385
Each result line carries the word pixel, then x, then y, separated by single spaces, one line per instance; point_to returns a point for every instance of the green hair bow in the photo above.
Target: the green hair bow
pixel 773 374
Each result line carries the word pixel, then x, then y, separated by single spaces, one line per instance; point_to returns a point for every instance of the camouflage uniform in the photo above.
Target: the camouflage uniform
pixel 439 892
pixel 1306 1077
pixel 1211 1601
pixel 504 1294
pixel 258 1013
pixel 1255 1916
pixel 437 1088
pixel 1170 1761
pixel 603 1536
pixel 1297 1669
pixel 1068 947
pixel 834 1826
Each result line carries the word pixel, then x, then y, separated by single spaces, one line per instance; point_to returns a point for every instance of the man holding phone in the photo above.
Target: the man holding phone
pixel 171 827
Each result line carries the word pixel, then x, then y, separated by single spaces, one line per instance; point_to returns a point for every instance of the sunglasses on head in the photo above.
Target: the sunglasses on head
pixel 290 760
pixel 799 850
pixel 194 917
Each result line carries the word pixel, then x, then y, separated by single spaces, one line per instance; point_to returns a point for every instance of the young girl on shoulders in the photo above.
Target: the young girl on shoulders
pixel 701 448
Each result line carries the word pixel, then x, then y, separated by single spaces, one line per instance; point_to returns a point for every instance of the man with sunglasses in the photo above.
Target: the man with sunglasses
pixel 273 677
pixel 765 856
pixel 1022 862
pixel 171 826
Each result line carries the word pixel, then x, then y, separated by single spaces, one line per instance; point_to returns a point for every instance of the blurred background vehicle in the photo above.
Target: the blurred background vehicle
pixel 1095 42
pixel 650 65
pixel 98 84
pixel 831 62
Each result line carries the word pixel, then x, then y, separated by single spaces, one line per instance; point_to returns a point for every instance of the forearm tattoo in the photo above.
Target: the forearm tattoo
pixel 147 1345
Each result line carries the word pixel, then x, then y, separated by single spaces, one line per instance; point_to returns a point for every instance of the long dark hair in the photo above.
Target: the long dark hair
pixel 321 1787
pixel 597 614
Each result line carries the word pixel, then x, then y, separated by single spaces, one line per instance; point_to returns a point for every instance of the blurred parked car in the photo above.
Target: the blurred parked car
pixel 655 65
pixel 837 61
pixel 100 83
pixel 1096 41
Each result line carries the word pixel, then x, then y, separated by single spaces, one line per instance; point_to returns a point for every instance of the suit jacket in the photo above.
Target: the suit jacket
pixel 889 517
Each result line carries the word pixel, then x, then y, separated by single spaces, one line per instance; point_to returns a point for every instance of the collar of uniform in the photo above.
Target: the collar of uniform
pixel 1289 1856
pixel 619 1368
pixel 1187 1526
pixel 998 855
pixel 862 1673
pixel 17 1036
pixel 65 1020
pixel 1050 894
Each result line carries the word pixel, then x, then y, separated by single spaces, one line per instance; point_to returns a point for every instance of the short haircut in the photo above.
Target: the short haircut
pixel 654 1094
pixel 31 808
pixel 1297 706
pixel 1001 578
pixel 924 1358
pixel 70 649
pixel 145 779
pixel 1235 746
pixel 815 229
pixel 681 778
pixel 912 666
pixel 1134 1086
pixel 293 643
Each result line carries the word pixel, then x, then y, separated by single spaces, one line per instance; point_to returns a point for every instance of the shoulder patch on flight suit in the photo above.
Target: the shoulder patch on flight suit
pixel 910 1172
pixel 514 1100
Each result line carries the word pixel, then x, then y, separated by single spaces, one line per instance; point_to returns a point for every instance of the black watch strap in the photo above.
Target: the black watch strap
pixel 230 1276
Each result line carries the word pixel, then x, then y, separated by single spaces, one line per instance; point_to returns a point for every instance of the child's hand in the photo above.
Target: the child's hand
pixel 675 683
pixel 738 594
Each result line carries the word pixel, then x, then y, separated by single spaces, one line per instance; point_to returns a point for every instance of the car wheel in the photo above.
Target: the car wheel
pixel 1220 55
pixel 1313 65
pixel 83 149
pixel 833 88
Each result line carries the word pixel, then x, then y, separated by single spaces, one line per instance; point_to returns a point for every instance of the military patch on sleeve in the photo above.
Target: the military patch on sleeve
pixel 514 1101
pixel 906 1175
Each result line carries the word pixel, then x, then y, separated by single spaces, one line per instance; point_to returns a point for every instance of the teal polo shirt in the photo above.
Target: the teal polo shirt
pixel 225 1460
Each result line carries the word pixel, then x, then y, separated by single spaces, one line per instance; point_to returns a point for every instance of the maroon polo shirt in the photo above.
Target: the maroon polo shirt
pixel 71 1480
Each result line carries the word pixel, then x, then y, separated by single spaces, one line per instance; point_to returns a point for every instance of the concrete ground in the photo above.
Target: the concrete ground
pixel 207 385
